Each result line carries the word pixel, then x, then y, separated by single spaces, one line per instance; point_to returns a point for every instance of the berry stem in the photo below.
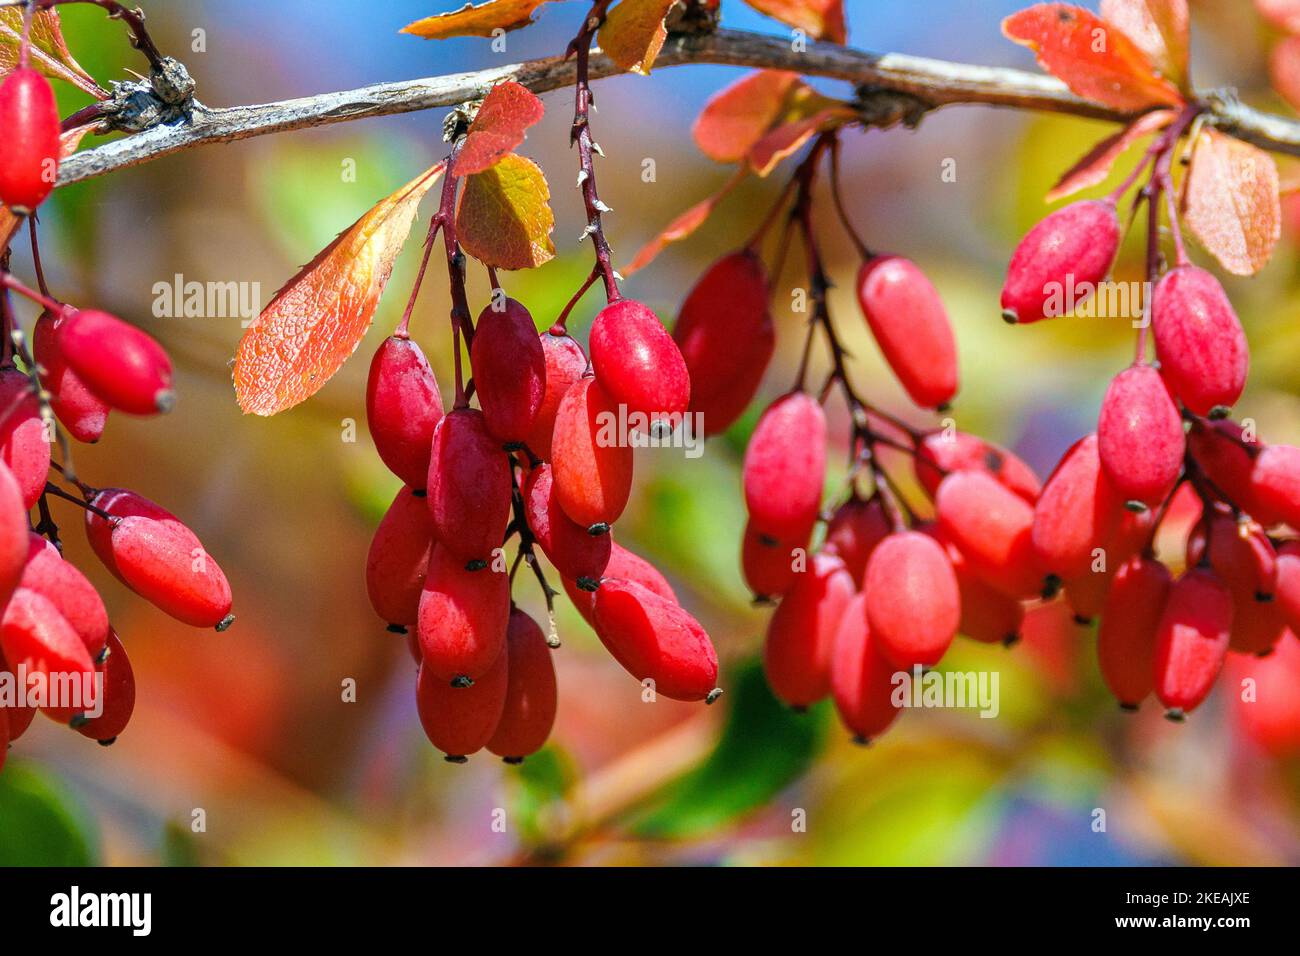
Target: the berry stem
pixel 837 198
pixel 587 148
pixel 462 322
pixel 561 324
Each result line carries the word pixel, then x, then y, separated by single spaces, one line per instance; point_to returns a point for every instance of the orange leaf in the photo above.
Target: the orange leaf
pixel 1231 202
pixel 683 225
pixel 311 327
pixel 476 21
pixel 1096 165
pixel 820 19
pixel 49 51
pixel 505 219
pixel 1094 59
pixel 634 33
pixel 507 111
pixel 69 140
pixel 738 117
pixel 786 139
pixel 1161 29
pixel 1283 14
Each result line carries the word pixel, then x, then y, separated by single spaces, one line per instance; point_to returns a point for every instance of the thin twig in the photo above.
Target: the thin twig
pixel 935 82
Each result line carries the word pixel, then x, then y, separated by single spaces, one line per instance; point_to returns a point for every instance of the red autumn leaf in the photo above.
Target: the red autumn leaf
pixel 1161 29
pixel 1094 59
pixel 504 218
pixel 499 127
pixel 683 225
pixel 1283 14
pixel 306 333
pixel 820 19
pixel 633 33
pixel 738 117
pixel 1230 201
pixel 49 51
pixel 476 21
pixel 1097 164
pixel 1284 68
pixel 787 138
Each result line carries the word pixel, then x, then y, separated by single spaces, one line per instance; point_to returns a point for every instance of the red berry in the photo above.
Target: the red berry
pixel 913 601
pixel 1086 594
pixel 655 639
pixel 509 370
pixel 575 553
pixel 862 680
pixel 34 635
pixel 1240 554
pixel 13 533
pixel 1065 256
pixel 626 566
pixel 460 721
pixel 1288 583
pixel 1192 640
pixel 123 366
pixel 403 407
pixel 19 718
pixel 1271 715
pixel 801 633
pixel 159 558
pixel 1126 639
pixel 726 337
pixel 24 445
pixel 29 116
pixel 565 364
pixel 59 582
pixel 469 486
pixel 79 409
pixel 1077 512
pixel 119 695
pixel 854 531
pixel 1201 346
pixel 530 703
pixel 1227 457
pixel 1275 483
pixel 993 527
pixel 462 619
pixel 942 452
pixel 398 560
pixel 785 468
pixel 1140 436
pixel 592 469
pixel 768 563
pixel 911 327
pixel 638 363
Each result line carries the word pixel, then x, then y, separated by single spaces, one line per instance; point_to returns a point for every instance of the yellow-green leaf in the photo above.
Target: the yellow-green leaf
pixel 49 52
pixel 504 218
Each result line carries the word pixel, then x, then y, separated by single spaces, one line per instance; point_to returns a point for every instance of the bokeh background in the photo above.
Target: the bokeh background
pixel 250 726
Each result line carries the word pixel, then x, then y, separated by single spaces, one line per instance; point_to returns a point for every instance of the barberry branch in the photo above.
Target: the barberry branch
pixel 932 82
pixel 581 136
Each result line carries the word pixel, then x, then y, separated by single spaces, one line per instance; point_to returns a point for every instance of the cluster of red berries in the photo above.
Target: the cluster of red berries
pixel 542 458
pixel 54 629
pixel 884 587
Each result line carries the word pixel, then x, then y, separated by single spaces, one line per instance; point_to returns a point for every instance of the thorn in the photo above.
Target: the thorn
pixel 582 177
pixel 595 148
pixel 601 207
